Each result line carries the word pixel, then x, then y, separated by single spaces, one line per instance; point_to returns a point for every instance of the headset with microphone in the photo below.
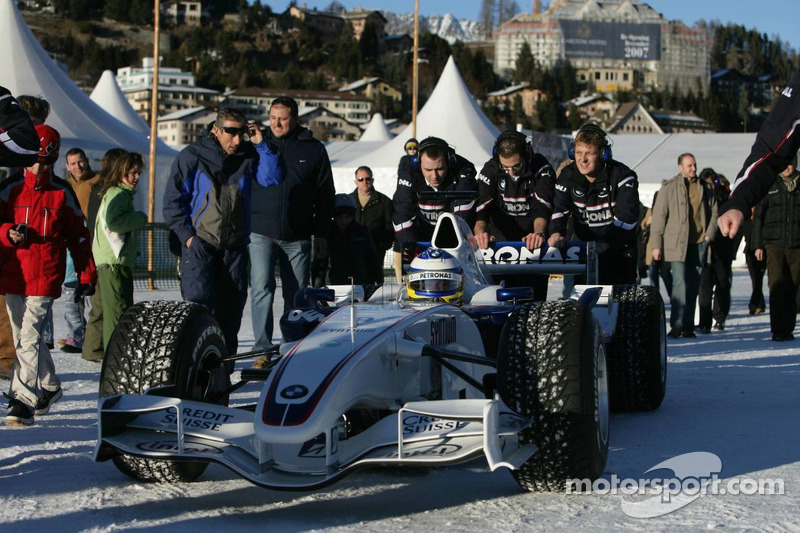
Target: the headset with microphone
pixel 605 151
pixel 522 145
pixel 428 143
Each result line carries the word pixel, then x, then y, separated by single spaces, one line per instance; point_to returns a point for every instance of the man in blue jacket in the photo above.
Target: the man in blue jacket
pixel 287 216
pixel 207 205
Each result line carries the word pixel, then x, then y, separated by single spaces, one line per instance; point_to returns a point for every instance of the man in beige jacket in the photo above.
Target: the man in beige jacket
pixel 684 223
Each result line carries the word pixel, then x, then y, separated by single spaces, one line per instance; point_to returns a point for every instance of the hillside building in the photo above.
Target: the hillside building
pixel 329 25
pixel 176 89
pixel 183 12
pixel 613 45
pixel 255 101
pixel 529 96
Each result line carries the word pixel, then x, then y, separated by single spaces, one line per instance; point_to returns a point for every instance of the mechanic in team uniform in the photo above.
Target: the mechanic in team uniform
pixel 515 201
pixel 436 168
pixel 602 195
pixel 775 146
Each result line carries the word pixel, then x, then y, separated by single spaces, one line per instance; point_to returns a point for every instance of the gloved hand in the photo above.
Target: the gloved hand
pixel 83 290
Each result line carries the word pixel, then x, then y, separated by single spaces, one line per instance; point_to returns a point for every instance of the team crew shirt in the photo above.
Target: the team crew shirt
pixel 604 210
pixel 510 205
pixel 414 220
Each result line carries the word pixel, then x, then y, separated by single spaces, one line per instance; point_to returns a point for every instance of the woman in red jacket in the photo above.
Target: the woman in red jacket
pixel 40 219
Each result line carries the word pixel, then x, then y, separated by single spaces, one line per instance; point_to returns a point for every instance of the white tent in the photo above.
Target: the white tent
pixel 28 69
pixel 376 130
pixel 110 97
pixel 450 113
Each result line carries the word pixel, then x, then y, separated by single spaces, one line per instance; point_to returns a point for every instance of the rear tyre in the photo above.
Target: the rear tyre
pixel 176 345
pixel 637 353
pixel 551 369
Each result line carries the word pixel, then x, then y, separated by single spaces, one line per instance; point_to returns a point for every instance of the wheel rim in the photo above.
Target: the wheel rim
pixel 205 377
pixel 603 407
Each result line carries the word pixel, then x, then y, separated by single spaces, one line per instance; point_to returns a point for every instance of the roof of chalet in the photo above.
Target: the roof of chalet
pixel 298 94
pixel 358 84
pixel 509 90
pixel 183 114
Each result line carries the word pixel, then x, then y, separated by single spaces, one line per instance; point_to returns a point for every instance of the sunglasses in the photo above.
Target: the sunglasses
pixel 363 179
pixel 230 130
pixel 514 169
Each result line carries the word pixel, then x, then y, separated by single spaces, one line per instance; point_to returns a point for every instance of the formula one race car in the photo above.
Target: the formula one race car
pixel 450 369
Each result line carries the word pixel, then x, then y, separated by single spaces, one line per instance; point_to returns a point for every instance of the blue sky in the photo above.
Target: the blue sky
pixel 773 17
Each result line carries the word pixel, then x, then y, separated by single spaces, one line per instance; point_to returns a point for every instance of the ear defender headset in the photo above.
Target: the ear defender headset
pixel 430 142
pixel 605 150
pixel 520 138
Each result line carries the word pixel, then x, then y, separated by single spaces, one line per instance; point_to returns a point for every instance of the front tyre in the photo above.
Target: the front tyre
pixel 166 344
pixel 552 369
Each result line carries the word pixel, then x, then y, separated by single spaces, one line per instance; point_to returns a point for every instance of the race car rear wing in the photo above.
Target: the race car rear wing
pixel 501 258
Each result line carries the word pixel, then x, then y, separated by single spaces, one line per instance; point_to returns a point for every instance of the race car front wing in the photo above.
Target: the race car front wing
pixel 430 433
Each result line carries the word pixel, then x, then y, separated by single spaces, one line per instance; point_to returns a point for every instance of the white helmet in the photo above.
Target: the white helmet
pixel 435 275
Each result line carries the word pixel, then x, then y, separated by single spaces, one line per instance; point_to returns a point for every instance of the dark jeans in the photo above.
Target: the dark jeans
pixel 685 285
pixel 217 279
pixel 660 269
pixel 715 288
pixel 756 269
pixel 783 271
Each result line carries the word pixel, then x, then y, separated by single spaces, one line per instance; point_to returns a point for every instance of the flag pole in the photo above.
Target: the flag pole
pixel 415 71
pixel 151 175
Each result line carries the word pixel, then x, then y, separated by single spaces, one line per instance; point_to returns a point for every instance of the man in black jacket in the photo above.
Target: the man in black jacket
pixel 437 168
pixel 602 196
pixel 373 210
pixel 285 217
pixel 515 201
pixel 775 146
pixel 716 278
pixel 776 230
pixel 207 204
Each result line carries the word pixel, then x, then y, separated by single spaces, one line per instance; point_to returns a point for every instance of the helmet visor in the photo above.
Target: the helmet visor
pixel 434 284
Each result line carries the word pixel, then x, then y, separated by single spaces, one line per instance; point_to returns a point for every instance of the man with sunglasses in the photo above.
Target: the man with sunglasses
pixel 207 204
pixel 287 216
pixel 516 196
pixel 374 210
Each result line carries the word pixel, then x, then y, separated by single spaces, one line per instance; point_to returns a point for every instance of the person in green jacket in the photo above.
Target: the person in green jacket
pixel 114 245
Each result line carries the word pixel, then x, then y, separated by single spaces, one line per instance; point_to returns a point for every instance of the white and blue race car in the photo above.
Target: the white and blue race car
pixel 392 381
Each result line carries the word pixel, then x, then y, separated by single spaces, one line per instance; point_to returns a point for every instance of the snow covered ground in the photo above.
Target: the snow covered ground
pixel 734 394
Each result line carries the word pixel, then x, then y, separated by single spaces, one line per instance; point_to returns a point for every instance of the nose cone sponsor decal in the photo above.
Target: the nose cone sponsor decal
pixel 293 392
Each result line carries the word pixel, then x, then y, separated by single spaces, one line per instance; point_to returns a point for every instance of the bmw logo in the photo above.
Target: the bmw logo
pixel 293 392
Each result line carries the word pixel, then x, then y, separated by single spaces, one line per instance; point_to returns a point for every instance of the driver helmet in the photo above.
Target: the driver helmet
pixel 435 275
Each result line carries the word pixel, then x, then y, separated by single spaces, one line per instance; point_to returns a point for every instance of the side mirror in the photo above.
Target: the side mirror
pixel 514 293
pixel 309 296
